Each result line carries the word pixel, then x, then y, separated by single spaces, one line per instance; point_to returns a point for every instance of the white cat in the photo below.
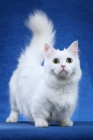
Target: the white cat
pixel 45 93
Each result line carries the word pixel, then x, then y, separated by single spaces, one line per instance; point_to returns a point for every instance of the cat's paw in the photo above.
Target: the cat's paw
pixel 41 123
pixel 66 123
pixel 11 119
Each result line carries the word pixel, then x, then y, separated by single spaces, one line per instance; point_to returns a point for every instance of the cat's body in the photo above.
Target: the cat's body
pixel 46 93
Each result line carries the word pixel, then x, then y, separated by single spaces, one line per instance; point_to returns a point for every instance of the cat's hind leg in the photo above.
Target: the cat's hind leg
pixel 13 117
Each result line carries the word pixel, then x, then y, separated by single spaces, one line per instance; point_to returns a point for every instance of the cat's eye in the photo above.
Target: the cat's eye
pixel 56 61
pixel 69 60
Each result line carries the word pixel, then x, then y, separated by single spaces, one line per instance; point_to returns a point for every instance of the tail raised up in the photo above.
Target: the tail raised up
pixel 43 32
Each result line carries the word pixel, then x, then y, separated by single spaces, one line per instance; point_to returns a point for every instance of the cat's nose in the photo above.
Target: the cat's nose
pixel 63 66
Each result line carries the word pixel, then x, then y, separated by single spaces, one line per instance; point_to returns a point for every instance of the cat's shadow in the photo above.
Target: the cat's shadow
pixel 50 124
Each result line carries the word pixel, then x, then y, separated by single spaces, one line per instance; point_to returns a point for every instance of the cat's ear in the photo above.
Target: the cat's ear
pixel 73 48
pixel 48 50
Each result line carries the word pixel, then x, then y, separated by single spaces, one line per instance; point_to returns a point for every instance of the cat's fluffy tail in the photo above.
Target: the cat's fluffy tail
pixel 43 32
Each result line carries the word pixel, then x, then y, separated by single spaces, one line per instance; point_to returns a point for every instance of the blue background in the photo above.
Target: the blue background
pixel 73 20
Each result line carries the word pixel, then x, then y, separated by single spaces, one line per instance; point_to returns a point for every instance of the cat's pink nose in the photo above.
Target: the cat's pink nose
pixel 63 66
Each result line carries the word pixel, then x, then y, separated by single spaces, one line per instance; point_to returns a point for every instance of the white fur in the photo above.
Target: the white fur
pixel 46 93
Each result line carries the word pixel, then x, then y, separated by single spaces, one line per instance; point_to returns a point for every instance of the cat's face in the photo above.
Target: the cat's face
pixel 62 63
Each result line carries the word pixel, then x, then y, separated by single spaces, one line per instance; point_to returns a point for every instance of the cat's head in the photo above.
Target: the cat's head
pixel 64 64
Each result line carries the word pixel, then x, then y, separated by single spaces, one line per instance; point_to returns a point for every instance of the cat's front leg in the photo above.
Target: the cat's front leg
pixel 64 119
pixel 66 122
pixel 40 113
pixel 40 122
pixel 40 119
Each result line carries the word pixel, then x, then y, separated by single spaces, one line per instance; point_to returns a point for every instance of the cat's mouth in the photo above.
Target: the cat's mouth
pixel 62 73
pixel 63 70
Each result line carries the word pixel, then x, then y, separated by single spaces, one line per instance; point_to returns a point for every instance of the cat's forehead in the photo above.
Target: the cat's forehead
pixel 62 53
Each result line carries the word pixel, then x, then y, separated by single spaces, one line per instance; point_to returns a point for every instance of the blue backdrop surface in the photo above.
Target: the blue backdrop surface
pixel 73 20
